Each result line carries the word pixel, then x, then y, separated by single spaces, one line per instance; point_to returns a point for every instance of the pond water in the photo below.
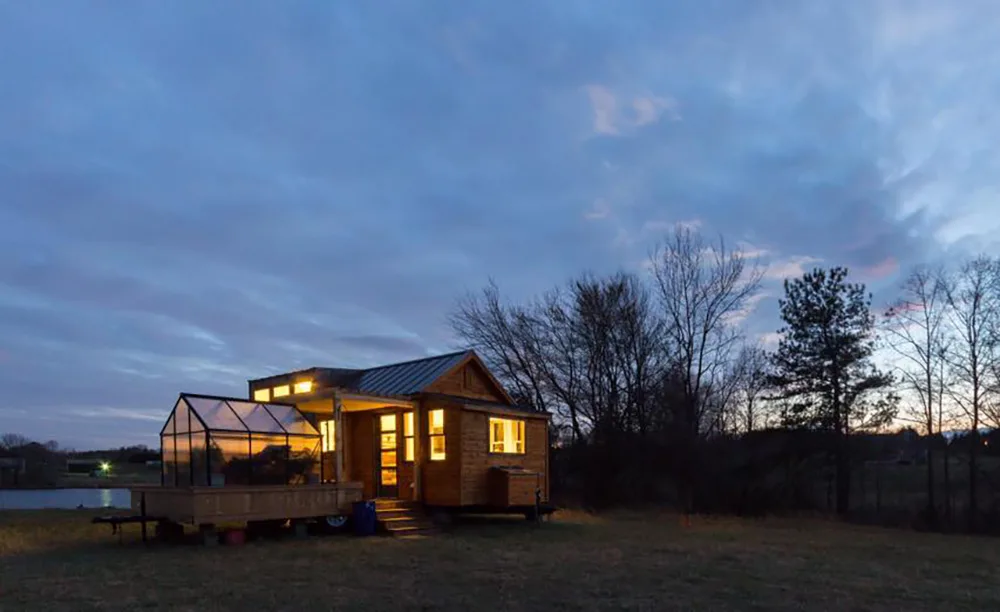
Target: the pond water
pixel 21 499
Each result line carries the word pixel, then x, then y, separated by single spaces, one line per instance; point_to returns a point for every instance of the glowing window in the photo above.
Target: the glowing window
pixel 262 395
pixel 506 436
pixel 281 391
pixel 303 386
pixel 387 447
pixel 328 429
pixel 408 436
pixel 436 434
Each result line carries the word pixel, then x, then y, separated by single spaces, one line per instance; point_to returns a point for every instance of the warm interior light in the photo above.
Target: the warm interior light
pixel 281 391
pixel 303 386
pixel 506 436
pixel 262 395
pixel 327 430
pixel 436 434
pixel 409 447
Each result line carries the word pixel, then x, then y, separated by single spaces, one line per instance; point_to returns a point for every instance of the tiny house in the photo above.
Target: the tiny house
pixel 441 432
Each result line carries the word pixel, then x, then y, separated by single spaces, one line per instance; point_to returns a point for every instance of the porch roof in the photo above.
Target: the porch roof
pixel 355 401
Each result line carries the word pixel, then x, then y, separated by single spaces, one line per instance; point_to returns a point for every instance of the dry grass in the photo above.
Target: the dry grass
pixel 56 561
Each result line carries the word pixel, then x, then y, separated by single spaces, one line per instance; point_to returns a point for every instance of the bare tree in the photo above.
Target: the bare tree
pixel 752 363
pixel 9 441
pixel 589 351
pixel 506 337
pixel 974 312
pixel 701 290
pixel 916 330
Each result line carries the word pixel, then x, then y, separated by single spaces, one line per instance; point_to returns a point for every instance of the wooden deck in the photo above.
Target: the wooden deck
pixel 212 505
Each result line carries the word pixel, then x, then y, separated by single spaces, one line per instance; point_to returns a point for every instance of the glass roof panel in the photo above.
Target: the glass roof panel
pixel 197 413
pixel 216 414
pixel 291 419
pixel 256 417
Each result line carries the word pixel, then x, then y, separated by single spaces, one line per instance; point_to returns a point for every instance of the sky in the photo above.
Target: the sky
pixel 196 193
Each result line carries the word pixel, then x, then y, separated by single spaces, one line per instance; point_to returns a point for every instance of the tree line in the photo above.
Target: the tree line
pixel 649 376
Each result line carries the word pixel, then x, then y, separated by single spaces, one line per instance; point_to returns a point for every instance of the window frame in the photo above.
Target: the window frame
pixel 519 424
pixel 281 391
pixel 409 438
pixel 331 425
pixel 431 436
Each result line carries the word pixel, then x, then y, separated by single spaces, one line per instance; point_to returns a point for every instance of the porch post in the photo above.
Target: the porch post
pixel 418 451
pixel 338 437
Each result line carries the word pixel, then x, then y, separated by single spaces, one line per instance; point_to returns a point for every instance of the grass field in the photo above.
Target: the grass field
pixel 57 561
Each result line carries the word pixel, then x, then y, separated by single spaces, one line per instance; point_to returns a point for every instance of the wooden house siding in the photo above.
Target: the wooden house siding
pixel 441 479
pixel 467 381
pixel 477 460
pixel 359 454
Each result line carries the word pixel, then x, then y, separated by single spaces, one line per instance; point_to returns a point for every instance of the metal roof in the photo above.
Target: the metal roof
pixel 408 377
pixel 396 379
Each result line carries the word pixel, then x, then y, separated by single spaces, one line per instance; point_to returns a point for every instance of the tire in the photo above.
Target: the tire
pixel 334 523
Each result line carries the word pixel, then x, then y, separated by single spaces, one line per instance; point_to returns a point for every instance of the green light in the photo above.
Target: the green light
pixel 105 467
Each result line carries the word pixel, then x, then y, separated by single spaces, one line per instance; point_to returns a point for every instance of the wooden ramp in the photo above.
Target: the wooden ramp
pixel 401 518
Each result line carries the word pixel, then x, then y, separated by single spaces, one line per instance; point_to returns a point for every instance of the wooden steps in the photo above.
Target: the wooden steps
pixel 401 518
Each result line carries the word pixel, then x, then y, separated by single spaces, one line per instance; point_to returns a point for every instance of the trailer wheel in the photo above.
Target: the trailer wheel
pixel 333 523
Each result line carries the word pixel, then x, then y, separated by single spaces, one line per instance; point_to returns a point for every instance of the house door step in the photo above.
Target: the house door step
pixel 398 517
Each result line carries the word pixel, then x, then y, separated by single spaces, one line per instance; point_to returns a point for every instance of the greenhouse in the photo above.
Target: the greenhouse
pixel 215 441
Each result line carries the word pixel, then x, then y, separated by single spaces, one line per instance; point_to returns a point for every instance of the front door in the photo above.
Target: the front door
pixel 386 471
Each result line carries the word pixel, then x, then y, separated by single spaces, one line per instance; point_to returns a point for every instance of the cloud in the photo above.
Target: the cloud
pixel 197 194
pixel 792 267
pixel 660 228
pixel 770 340
pixel 648 109
pixel 881 270
pixel 599 210
pixel 610 119
pixel 604 104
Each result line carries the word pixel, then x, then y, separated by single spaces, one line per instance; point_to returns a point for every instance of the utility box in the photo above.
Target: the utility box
pixel 513 486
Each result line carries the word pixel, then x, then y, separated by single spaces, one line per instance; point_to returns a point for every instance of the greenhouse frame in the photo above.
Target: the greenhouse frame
pixel 218 441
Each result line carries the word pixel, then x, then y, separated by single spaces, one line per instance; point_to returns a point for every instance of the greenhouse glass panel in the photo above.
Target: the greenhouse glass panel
pixel 169 460
pixel 216 413
pixel 269 459
pixel 303 460
pixel 168 427
pixel 183 443
pixel 195 421
pixel 228 461
pixel 199 458
pixel 291 419
pixel 181 417
pixel 221 441
pixel 256 417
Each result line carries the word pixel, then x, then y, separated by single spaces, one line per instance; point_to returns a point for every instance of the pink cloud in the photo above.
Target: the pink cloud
pixel 883 269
